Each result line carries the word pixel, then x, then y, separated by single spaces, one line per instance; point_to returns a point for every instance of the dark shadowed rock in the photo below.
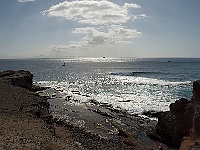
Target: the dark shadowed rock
pixel 181 125
pixel 151 113
pixel 192 141
pixel 196 92
pixel 36 88
pixel 195 131
pixel 19 78
pixel 196 101
pixel 173 125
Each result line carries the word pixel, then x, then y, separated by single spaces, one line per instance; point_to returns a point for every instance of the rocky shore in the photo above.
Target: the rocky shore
pixel 24 116
pixel 30 121
pixel 181 125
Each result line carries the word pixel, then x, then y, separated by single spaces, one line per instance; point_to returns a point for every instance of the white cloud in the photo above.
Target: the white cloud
pixel 92 12
pixel 22 1
pixel 102 36
pixel 142 15
pixel 139 16
pixel 127 5
pixel 105 19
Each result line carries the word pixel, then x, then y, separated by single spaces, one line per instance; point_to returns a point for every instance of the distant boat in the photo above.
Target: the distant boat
pixel 63 64
pixel 169 61
pixel 104 57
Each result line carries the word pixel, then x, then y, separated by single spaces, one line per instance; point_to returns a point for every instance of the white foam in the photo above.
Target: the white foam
pixel 149 81
pixel 131 94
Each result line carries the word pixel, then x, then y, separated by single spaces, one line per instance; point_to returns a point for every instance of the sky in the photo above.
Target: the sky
pixel 99 28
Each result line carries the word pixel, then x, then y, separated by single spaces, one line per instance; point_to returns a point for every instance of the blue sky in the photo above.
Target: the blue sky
pixel 96 28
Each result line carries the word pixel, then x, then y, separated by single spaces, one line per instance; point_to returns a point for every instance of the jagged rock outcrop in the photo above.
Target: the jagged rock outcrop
pixel 38 106
pixel 173 125
pixel 182 123
pixel 192 142
pixel 196 101
pixel 19 78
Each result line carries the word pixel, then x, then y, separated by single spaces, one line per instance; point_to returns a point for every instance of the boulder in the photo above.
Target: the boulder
pixel 196 101
pixel 19 78
pixel 193 140
pixel 196 92
pixel 173 125
pixel 183 119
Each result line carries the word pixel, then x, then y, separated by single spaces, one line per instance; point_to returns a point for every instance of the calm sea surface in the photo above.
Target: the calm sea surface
pixel 133 85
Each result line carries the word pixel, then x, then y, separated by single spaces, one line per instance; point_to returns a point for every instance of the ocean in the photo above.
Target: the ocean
pixel 133 85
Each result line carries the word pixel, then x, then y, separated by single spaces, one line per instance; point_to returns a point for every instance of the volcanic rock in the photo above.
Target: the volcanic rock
pixel 181 125
pixel 19 78
pixel 176 123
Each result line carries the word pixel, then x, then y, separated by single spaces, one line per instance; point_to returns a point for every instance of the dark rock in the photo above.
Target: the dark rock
pixel 151 114
pixel 125 101
pixel 35 88
pixel 196 92
pixel 196 101
pixel 196 121
pixel 6 73
pixel 122 133
pixel 194 136
pixel 183 120
pixel 179 106
pixel 19 78
pixel 94 101
pixel 101 112
pixel 173 125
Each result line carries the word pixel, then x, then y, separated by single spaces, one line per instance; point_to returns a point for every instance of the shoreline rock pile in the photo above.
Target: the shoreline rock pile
pixel 180 126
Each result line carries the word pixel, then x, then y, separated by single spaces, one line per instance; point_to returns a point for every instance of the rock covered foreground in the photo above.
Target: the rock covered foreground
pixel 24 118
pixel 27 124
pixel 19 78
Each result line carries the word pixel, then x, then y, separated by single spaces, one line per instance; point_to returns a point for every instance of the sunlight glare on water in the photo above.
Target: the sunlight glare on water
pixel 134 85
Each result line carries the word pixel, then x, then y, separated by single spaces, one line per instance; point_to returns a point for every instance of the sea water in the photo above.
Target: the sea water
pixel 134 85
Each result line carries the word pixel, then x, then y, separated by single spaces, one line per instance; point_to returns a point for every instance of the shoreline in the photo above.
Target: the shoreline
pixel 69 127
pixel 27 122
pixel 25 119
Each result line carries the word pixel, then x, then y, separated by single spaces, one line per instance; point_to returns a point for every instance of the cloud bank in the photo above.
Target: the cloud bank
pixel 92 12
pixel 102 36
pixel 104 19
